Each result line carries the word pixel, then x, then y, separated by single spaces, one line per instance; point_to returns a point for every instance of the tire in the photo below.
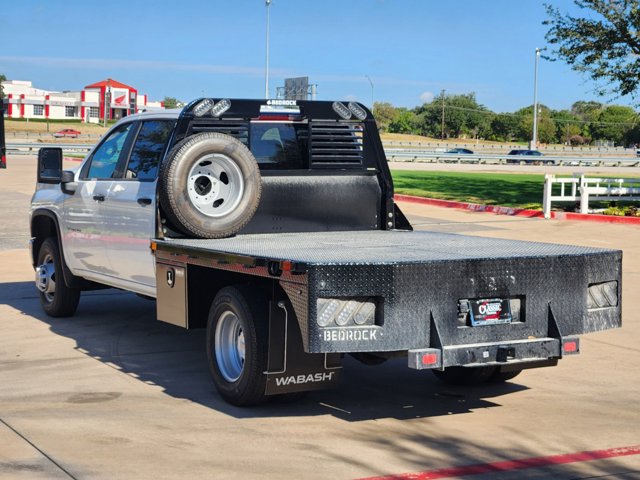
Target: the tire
pixel 465 376
pixel 56 298
pixel 210 186
pixel 501 377
pixel 237 345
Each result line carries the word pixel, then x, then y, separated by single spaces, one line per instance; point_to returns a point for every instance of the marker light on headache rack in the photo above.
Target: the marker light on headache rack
pixel 202 107
pixel 221 107
pixel 341 110
pixel 357 110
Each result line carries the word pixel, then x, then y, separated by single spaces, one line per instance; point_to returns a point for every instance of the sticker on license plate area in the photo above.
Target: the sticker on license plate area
pixel 489 311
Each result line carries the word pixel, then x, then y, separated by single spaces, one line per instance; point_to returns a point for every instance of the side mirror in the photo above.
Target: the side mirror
pixel 67 181
pixel 49 165
pixel 67 176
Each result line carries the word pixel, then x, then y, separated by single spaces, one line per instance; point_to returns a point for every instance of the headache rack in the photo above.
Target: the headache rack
pixel 336 140
pixel 335 135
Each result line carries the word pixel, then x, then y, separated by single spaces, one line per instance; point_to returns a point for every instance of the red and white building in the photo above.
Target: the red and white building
pixel 23 100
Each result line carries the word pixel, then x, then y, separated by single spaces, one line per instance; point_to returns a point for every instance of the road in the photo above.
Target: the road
pixel 607 171
pixel 111 393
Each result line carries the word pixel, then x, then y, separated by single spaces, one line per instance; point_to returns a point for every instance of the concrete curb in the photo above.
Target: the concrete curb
pixel 517 212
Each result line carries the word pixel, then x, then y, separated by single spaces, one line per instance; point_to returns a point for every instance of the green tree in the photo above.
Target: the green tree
pixel 2 79
pixel 546 125
pixel 603 43
pixel 385 114
pixel 463 115
pixel 567 125
pixel 504 127
pixel 614 124
pixel 587 112
pixel 405 122
pixel 171 102
pixel 632 136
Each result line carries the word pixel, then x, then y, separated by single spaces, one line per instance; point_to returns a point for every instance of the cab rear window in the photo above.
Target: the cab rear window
pixel 280 145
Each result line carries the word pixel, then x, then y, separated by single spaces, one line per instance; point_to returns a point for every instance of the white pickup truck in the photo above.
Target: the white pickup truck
pixel 272 224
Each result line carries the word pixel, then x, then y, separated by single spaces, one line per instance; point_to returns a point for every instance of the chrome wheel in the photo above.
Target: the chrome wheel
pixel 215 185
pixel 229 346
pixel 46 278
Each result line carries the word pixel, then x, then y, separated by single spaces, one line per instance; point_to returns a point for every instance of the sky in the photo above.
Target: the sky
pixel 409 49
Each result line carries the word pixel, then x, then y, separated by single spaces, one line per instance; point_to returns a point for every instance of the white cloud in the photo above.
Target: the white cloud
pixel 426 97
pixel 350 98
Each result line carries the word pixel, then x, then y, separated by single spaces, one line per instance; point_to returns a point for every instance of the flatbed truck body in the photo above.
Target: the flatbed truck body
pixel 325 265
pixel 422 283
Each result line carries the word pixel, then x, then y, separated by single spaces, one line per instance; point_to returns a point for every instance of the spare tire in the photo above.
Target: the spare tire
pixel 209 186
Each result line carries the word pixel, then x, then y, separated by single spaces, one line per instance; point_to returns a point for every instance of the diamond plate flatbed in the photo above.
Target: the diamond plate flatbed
pixel 377 247
pixel 418 279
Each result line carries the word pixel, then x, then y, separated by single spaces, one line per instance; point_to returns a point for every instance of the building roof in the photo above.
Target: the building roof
pixel 109 83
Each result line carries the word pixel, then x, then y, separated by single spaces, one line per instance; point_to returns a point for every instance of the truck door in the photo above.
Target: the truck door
pixel 84 227
pixel 130 207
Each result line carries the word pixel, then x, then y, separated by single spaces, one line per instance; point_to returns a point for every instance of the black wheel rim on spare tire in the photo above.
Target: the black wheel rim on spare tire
pixel 210 186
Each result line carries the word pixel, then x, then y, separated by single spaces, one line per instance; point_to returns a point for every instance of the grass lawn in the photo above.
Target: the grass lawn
pixel 513 190
pixel 40 126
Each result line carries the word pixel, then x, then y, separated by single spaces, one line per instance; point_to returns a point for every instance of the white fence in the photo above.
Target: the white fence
pixel 582 189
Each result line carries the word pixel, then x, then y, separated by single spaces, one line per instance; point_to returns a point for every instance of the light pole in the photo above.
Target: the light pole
pixel 266 73
pixel 370 83
pixel 534 137
pixel 442 117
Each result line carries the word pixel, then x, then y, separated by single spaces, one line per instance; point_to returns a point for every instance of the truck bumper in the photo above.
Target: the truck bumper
pixel 520 354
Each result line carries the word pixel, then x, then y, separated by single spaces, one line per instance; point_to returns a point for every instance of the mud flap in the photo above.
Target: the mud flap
pixel 290 368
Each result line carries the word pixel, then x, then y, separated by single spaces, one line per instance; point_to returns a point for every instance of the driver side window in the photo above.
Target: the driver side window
pixel 105 158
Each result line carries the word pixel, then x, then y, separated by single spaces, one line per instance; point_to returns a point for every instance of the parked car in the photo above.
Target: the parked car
pixel 68 133
pixel 460 150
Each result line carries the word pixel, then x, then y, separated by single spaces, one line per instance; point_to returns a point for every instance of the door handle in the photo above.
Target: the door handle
pixel 144 201
pixel 98 198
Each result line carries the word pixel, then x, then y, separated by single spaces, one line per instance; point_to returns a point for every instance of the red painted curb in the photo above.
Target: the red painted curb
pixel 518 212
pixel 511 465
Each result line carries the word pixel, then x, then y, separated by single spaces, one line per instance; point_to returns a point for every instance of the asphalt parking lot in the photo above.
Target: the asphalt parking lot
pixel 111 393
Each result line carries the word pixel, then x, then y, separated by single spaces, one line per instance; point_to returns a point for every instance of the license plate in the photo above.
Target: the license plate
pixel 489 311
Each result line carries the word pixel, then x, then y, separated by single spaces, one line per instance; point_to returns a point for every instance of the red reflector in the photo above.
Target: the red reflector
pixel 570 347
pixel 287 266
pixel 429 359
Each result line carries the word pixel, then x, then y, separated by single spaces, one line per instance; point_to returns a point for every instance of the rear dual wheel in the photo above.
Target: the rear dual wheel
pixel 237 344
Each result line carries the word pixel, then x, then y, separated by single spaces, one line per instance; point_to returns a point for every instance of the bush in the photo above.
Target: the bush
pixel 622 211
pixel 576 140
